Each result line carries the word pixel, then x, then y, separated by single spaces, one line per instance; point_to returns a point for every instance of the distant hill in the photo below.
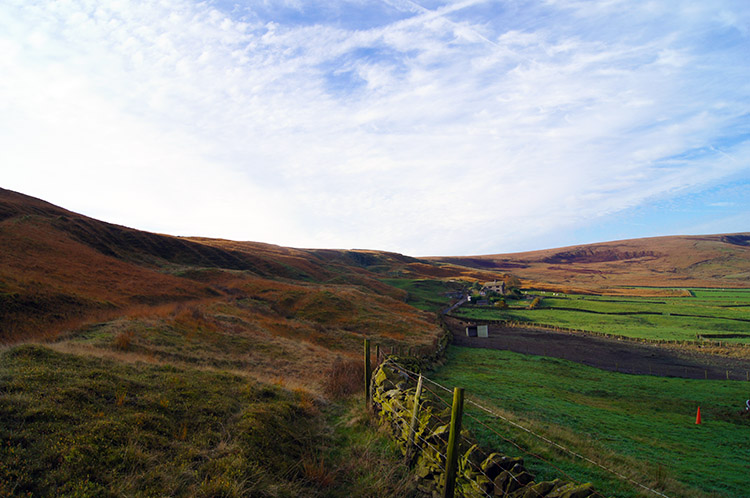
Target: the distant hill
pixel 676 261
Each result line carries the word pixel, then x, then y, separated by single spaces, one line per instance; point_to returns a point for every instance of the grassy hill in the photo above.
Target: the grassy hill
pixel 60 271
pixel 190 366
pixel 721 261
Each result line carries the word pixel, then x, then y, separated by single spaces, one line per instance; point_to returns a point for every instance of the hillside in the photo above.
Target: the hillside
pixel 88 284
pixel 190 366
pixel 677 261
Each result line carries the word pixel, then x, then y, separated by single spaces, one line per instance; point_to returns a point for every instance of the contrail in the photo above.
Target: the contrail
pixel 427 14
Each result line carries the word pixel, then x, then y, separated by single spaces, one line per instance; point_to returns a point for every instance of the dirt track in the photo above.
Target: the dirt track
pixel 608 354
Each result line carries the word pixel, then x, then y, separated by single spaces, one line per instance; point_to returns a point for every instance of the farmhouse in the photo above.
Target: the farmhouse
pixel 494 286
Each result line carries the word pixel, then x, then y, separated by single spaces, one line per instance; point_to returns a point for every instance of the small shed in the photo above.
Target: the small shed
pixel 477 331
pixel 482 331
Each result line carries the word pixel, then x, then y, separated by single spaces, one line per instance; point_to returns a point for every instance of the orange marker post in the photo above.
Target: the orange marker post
pixel 698 417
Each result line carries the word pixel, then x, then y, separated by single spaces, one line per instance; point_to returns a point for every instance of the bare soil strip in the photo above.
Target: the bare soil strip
pixel 605 353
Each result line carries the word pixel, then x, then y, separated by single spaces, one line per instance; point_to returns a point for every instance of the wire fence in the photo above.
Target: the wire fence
pixel 521 477
pixel 477 468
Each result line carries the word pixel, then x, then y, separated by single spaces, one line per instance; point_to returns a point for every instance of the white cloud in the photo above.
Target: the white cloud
pixel 467 127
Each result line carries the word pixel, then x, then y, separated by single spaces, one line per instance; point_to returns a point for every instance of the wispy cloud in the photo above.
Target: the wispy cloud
pixel 427 127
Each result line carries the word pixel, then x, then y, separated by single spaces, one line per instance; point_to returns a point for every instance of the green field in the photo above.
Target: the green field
pixel 642 426
pixel 717 315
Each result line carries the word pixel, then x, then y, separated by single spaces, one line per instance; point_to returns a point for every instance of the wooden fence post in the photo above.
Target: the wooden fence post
pixel 368 373
pixel 451 465
pixel 415 414
pixel 377 354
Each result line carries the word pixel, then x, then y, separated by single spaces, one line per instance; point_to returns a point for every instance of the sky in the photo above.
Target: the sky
pixel 429 128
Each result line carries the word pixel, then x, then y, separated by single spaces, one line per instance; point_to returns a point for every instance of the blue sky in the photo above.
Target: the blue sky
pixel 427 128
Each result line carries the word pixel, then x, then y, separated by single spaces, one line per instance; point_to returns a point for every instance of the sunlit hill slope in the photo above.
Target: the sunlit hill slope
pixel 94 285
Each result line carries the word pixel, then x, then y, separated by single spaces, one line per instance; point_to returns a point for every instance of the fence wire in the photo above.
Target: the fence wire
pixel 413 428
pixel 619 475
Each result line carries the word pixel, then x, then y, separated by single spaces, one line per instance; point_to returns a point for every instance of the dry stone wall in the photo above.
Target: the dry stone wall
pixel 479 474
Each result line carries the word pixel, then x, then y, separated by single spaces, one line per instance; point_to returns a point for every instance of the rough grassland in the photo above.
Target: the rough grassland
pixel 642 426
pixel 74 426
pixel 86 427
pixel 427 295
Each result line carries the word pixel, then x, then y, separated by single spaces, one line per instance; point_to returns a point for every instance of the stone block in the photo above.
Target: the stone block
pixel 500 482
pixel 517 481
pixel 572 490
pixel 540 489
pixel 495 463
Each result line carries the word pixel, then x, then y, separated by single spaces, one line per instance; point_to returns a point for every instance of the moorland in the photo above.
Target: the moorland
pixel 143 364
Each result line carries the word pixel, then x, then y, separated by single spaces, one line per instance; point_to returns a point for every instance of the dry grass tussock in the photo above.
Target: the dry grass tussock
pixel 344 378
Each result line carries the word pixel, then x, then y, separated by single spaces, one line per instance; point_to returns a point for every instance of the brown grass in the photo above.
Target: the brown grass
pixel 316 471
pixel 123 340
pixel 344 378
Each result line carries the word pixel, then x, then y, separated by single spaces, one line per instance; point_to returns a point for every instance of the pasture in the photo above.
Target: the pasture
pixel 638 425
pixel 708 314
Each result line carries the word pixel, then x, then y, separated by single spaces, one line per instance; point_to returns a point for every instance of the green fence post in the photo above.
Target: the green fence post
pixel 453 440
pixel 368 373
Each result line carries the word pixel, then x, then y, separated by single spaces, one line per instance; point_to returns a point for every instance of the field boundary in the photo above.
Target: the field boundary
pixel 418 423
pixel 700 341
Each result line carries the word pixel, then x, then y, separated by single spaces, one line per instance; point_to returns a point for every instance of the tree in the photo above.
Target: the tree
pixel 512 282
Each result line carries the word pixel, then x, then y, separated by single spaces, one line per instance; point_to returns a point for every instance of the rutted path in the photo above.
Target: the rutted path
pixel 605 353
